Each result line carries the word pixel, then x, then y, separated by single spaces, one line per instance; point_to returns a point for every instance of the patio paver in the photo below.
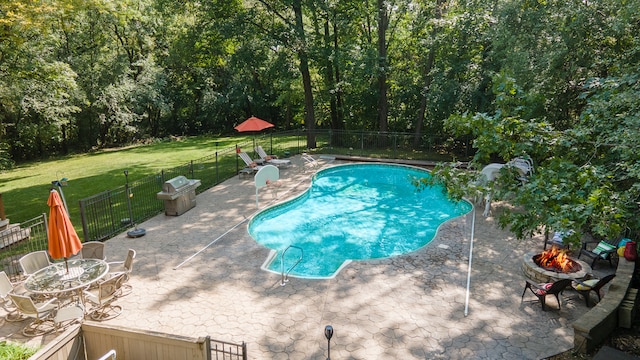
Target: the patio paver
pixel 406 307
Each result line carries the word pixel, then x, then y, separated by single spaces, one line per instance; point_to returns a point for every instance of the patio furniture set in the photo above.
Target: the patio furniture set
pixel 57 294
pixel 603 250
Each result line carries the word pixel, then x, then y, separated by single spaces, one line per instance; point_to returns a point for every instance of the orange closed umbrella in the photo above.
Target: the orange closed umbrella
pixel 63 239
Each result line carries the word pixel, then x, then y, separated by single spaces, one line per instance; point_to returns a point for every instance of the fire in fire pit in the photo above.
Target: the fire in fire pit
pixel 557 260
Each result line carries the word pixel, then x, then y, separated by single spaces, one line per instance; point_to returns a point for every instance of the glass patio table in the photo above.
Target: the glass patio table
pixel 55 278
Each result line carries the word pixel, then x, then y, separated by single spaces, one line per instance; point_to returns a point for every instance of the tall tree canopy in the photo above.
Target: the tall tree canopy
pixel 566 95
pixel 555 80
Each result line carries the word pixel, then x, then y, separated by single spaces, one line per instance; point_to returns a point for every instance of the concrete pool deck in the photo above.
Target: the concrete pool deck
pixel 199 274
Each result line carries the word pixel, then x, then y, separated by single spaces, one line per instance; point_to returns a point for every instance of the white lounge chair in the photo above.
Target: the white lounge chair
pixel 251 166
pixel 271 159
pixel 309 161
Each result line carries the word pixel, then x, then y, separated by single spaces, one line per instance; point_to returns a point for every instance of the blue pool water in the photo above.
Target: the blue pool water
pixel 354 212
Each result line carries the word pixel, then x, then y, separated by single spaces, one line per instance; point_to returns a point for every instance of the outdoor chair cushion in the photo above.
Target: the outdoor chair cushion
pixel 543 288
pixel 603 249
pixel 587 284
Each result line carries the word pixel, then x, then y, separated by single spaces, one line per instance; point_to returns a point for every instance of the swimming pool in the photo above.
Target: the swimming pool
pixel 353 212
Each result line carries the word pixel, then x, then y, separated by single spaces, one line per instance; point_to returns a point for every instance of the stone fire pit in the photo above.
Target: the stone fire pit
pixel 538 274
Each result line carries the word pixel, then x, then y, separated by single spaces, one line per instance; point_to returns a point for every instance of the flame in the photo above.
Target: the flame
pixel 555 258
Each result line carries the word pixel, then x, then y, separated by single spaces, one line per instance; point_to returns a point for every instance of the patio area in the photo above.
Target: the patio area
pixel 199 274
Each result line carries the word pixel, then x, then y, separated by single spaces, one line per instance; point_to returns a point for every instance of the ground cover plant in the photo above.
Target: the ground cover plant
pixel 15 351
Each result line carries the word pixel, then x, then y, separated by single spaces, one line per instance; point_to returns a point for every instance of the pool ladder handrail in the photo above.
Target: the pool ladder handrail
pixel 285 275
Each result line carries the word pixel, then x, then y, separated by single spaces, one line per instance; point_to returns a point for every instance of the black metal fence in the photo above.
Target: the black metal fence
pixel 20 239
pixel 114 211
pixel 221 350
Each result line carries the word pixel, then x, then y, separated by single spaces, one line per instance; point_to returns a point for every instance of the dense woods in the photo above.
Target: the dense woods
pixel 557 80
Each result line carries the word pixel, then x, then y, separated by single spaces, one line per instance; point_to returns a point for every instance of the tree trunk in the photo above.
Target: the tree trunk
pixel 383 104
pixel 309 117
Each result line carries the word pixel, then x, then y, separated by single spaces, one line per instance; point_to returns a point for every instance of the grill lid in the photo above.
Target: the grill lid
pixel 175 184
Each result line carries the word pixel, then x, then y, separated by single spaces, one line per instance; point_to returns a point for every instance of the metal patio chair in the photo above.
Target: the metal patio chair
pixel 542 290
pixel 42 313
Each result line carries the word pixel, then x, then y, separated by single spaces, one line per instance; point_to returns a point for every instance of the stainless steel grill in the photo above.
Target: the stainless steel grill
pixel 179 195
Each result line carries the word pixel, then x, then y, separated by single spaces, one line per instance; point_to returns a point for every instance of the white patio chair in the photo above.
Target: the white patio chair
pixel 309 161
pixel 93 250
pixel 34 261
pixel 102 298
pixel 125 268
pixel 42 313
pixel 7 287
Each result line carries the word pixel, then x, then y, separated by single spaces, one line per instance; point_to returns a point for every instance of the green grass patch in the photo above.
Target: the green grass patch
pixel 25 189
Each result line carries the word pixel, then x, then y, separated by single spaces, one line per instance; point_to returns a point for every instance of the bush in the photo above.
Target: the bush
pixel 13 351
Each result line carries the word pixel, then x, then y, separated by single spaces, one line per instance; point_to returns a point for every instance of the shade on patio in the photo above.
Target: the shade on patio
pixel 63 239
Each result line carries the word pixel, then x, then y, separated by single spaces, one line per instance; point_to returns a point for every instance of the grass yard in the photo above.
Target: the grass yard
pixel 25 189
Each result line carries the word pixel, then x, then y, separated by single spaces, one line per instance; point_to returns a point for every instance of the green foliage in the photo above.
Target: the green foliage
pixel 6 162
pixel 15 351
pixel 586 178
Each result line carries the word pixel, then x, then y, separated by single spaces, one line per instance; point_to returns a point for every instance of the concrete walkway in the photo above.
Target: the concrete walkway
pixel 199 274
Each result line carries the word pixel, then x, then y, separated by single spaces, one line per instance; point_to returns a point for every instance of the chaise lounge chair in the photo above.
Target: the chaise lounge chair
pixel 251 167
pixel 271 159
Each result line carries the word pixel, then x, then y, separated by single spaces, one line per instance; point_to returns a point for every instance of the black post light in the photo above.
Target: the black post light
pixel 60 183
pixel 328 333
pixel 136 232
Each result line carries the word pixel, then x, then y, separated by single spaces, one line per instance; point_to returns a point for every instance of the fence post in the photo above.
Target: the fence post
pixel 85 229
pixel 191 168
pixel 237 165
pixel 395 145
pixel 217 165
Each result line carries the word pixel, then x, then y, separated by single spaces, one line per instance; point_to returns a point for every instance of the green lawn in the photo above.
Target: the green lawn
pixel 25 189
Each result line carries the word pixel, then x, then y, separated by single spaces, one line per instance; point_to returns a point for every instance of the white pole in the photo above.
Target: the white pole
pixel 473 227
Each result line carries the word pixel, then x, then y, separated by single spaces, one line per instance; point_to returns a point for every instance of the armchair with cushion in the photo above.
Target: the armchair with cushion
pixel 604 250
pixel 585 287
pixel 542 290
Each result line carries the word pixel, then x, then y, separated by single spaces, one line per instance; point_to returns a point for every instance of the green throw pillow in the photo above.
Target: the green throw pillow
pixel 603 249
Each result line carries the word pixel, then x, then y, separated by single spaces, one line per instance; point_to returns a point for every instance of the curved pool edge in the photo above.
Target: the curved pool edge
pixel 272 256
